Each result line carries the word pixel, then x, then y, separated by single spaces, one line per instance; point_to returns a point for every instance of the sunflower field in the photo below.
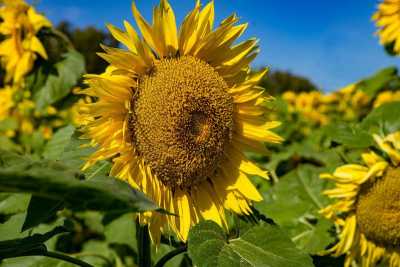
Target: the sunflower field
pixel 178 153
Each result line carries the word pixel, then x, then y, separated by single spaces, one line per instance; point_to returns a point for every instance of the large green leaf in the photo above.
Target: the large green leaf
pixel 13 203
pixel 293 203
pixel 383 120
pixel 59 84
pixel 56 146
pixel 371 85
pixel 351 136
pixel 55 181
pixel 40 210
pixel 262 245
pixel 114 235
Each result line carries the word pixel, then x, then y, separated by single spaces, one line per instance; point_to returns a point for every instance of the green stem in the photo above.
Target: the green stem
pixel 88 254
pixel 54 255
pixel 170 255
pixel 143 244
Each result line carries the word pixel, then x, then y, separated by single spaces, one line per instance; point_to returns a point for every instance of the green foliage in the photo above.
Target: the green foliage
pixel 262 245
pixel 278 82
pixel 294 202
pixel 54 149
pixel 87 41
pixel 383 120
pixel 58 82
pixel 349 135
pixel 376 82
pixel 55 181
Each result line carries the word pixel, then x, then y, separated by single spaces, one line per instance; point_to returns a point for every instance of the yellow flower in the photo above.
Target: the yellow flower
pixel 6 101
pixel 176 111
pixel 387 19
pixel 20 24
pixel 386 97
pixel 367 210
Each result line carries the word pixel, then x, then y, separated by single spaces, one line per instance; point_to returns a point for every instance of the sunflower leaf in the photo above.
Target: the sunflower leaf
pixel 55 147
pixel 383 120
pixel 373 84
pixel 298 214
pixel 40 210
pixel 262 245
pixel 58 182
pixel 58 85
pixel 352 136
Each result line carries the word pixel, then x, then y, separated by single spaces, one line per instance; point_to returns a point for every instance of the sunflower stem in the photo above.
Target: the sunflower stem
pixel 143 244
pixel 63 257
pixel 170 255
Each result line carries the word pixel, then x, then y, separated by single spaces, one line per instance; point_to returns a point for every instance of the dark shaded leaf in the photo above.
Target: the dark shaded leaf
pixel 40 210
pixel 30 245
pixel 58 182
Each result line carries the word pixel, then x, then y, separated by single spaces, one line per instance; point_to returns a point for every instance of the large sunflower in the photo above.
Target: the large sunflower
pixel 387 18
pixel 18 51
pixel 176 111
pixel 367 212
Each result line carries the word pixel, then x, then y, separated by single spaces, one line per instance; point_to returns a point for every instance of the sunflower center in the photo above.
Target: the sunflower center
pixel 378 209
pixel 181 121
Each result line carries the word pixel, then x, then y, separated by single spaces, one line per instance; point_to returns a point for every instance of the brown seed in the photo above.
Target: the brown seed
pixel 182 120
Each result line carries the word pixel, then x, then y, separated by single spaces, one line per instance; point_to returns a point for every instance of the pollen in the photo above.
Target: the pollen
pixel 378 209
pixel 182 119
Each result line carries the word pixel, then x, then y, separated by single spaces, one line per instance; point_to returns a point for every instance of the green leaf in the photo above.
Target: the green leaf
pixel 56 181
pixel 27 245
pixel 383 120
pixel 262 245
pixel 351 136
pixel 373 84
pixel 13 203
pixel 11 229
pixel 40 210
pixel 293 203
pixel 7 144
pixel 56 146
pixel 8 124
pixel 113 232
pixel 59 84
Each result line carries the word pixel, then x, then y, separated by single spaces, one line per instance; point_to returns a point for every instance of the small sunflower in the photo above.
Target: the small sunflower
pixel 175 111
pixel 386 97
pixel 19 24
pixel 367 212
pixel 387 19
pixel 6 101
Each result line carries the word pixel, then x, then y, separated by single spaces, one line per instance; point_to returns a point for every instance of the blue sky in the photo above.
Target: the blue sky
pixel 330 42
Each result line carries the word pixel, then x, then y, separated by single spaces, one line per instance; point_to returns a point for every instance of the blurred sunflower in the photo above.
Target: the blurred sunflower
pixel 386 97
pixel 6 101
pixel 387 19
pixel 176 111
pixel 367 212
pixel 19 24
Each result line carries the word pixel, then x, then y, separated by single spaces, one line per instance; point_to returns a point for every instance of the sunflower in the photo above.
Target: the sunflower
pixel 6 101
pixel 175 112
pixel 386 97
pixel 387 19
pixel 367 212
pixel 18 51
